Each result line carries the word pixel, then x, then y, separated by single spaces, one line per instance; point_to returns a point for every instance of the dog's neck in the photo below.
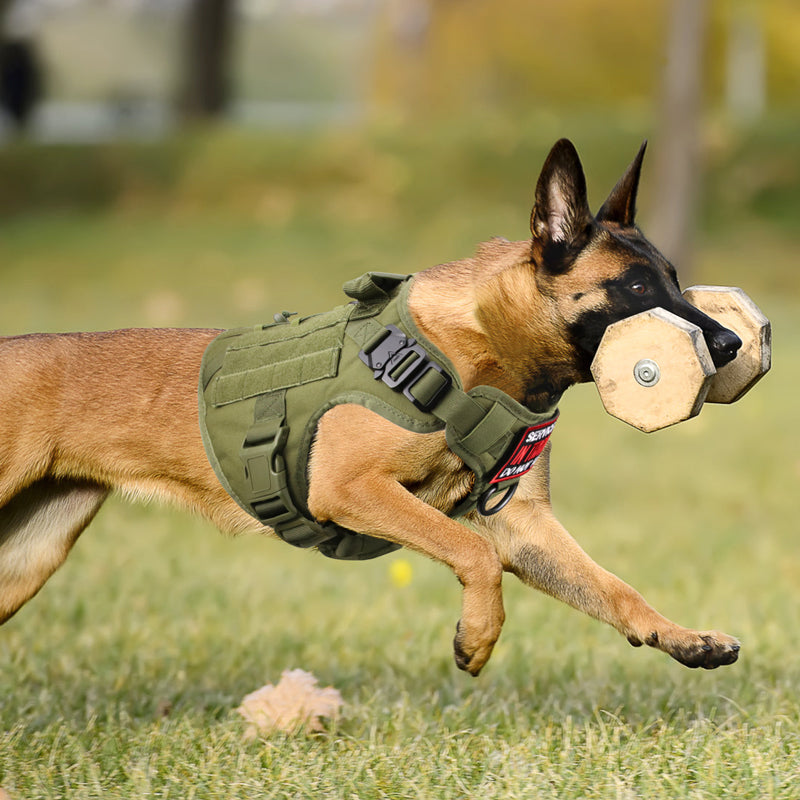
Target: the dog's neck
pixel 488 316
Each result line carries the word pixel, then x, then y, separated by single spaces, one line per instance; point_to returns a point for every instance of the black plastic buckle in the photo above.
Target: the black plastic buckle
pixel 400 363
pixel 392 340
pixel 265 471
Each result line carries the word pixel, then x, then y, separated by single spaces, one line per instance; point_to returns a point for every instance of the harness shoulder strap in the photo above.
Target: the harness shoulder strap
pixel 485 427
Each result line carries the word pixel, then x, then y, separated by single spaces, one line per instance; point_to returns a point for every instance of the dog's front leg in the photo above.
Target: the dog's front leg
pixel 535 546
pixel 360 468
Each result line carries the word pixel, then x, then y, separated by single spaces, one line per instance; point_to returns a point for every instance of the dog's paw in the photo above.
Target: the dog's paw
pixel 706 649
pixel 472 661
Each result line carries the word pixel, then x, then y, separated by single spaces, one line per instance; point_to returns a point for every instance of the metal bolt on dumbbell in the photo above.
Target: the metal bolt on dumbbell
pixel 646 372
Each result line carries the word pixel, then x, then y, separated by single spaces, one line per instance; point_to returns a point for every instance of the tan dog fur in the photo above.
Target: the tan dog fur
pixel 85 414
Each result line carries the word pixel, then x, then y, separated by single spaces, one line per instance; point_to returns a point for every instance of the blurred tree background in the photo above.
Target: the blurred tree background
pixel 570 53
pixel 211 143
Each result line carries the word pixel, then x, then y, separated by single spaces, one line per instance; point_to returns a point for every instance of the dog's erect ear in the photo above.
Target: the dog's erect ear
pixel 620 207
pixel 561 212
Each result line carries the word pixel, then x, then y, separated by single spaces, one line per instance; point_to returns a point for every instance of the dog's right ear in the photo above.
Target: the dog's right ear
pixel 561 217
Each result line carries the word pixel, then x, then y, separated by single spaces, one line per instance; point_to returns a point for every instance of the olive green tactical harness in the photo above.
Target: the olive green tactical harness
pixel 264 389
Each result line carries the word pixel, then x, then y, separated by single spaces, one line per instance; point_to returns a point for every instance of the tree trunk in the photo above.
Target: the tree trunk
pixel 20 66
pixel 677 156
pixel 205 86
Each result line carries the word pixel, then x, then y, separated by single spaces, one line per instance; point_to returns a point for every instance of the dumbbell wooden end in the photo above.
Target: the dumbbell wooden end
pixel 653 370
pixel 731 307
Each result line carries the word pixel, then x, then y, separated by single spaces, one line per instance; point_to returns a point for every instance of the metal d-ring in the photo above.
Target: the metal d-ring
pixel 501 504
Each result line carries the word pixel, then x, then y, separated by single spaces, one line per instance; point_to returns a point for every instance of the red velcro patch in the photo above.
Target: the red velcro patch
pixel 525 452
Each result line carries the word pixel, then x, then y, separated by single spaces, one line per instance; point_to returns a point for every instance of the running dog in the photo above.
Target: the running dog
pixel 86 414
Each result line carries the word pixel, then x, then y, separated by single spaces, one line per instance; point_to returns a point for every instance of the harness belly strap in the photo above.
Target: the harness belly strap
pixel 263 391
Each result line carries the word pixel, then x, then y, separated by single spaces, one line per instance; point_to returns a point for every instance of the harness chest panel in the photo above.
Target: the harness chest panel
pixel 263 390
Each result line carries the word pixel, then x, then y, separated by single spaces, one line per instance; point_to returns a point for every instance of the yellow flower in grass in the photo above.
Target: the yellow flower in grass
pixel 400 572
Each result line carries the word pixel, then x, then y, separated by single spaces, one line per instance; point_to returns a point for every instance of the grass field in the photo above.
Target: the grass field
pixel 121 679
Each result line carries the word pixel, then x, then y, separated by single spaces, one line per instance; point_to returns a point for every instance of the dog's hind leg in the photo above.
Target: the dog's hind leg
pixel 38 527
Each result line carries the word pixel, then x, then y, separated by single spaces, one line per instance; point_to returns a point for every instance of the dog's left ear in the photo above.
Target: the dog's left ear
pixel 561 213
pixel 620 207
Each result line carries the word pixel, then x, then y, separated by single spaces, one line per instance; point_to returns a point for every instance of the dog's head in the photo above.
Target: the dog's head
pixel 597 270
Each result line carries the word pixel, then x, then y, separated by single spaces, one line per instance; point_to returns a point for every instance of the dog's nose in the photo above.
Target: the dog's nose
pixel 723 346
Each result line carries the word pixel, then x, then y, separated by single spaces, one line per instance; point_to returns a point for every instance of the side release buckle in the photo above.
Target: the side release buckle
pixel 404 365
pixel 265 471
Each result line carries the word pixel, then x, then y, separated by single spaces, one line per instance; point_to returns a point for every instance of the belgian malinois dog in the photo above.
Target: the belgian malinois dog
pixel 83 416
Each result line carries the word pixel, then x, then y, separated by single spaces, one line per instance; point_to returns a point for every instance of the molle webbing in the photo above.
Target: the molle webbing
pixel 251 364
pixel 263 391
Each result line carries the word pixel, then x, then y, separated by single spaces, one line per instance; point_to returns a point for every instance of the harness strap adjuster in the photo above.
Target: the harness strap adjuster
pixel 265 470
pixel 264 466
pixel 272 510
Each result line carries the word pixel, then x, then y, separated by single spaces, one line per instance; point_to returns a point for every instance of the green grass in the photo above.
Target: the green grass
pixel 154 610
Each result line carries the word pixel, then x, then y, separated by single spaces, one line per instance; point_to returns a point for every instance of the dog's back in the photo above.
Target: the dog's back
pixel 85 413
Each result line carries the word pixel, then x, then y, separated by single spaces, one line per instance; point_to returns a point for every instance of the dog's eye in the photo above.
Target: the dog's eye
pixel 638 288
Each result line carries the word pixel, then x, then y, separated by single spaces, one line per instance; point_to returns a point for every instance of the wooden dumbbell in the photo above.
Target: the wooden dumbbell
pixel 653 370
pixel 732 308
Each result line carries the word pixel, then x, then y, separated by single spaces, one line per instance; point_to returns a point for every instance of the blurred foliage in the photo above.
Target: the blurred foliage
pixel 223 226
pixel 420 58
pixel 390 175
pixel 571 53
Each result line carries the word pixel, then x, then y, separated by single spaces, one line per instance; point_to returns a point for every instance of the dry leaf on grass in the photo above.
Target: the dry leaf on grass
pixel 295 704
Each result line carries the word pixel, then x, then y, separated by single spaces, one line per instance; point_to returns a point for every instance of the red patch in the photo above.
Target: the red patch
pixel 524 454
